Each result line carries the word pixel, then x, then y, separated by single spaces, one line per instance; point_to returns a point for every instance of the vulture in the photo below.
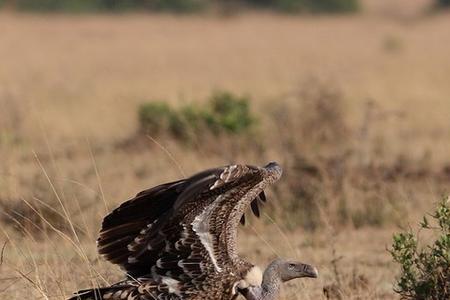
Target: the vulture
pixel 178 240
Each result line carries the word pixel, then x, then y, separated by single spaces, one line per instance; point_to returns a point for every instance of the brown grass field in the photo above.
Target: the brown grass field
pixel 375 126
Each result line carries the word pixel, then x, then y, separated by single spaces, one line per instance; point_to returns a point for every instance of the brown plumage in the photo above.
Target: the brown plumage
pixel 178 240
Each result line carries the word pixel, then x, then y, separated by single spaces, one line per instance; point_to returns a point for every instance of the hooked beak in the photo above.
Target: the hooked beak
pixel 310 271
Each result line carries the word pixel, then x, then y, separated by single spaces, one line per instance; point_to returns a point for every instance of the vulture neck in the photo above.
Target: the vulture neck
pixel 270 286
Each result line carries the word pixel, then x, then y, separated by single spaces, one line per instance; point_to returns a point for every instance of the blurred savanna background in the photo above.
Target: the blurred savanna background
pixel 102 99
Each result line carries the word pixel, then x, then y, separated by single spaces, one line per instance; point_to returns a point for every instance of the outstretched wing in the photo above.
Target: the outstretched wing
pixel 187 227
pixel 134 218
pixel 125 229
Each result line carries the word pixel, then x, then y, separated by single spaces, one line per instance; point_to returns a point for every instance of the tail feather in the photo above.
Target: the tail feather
pixel 93 294
pixel 110 293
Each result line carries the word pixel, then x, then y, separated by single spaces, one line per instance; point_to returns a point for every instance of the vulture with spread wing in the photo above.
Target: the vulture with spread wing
pixel 178 240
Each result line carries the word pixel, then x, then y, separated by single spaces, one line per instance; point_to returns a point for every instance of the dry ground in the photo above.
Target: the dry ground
pixel 70 86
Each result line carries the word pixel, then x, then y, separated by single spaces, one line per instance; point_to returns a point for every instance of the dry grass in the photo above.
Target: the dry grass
pixel 69 91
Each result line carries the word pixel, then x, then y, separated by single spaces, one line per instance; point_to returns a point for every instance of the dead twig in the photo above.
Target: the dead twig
pixel 2 253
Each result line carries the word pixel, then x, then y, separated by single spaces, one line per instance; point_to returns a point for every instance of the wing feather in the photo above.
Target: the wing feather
pixel 255 208
pixel 157 224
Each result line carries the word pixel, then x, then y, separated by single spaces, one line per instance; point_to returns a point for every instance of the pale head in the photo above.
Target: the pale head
pixel 290 269
pixel 279 271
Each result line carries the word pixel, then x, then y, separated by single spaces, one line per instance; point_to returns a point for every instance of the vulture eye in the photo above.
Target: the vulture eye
pixel 291 266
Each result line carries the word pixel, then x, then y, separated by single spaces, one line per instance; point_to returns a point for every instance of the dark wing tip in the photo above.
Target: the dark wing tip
pixel 262 197
pixel 255 208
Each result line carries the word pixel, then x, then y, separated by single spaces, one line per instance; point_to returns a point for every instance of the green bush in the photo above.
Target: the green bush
pixel 425 270
pixel 155 116
pixel 109 5
pixel 58 5
pixel 179 5
pixel 293 6
pixel 315 6
pixel 223 113
pixel 335 6
pixel 231 113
